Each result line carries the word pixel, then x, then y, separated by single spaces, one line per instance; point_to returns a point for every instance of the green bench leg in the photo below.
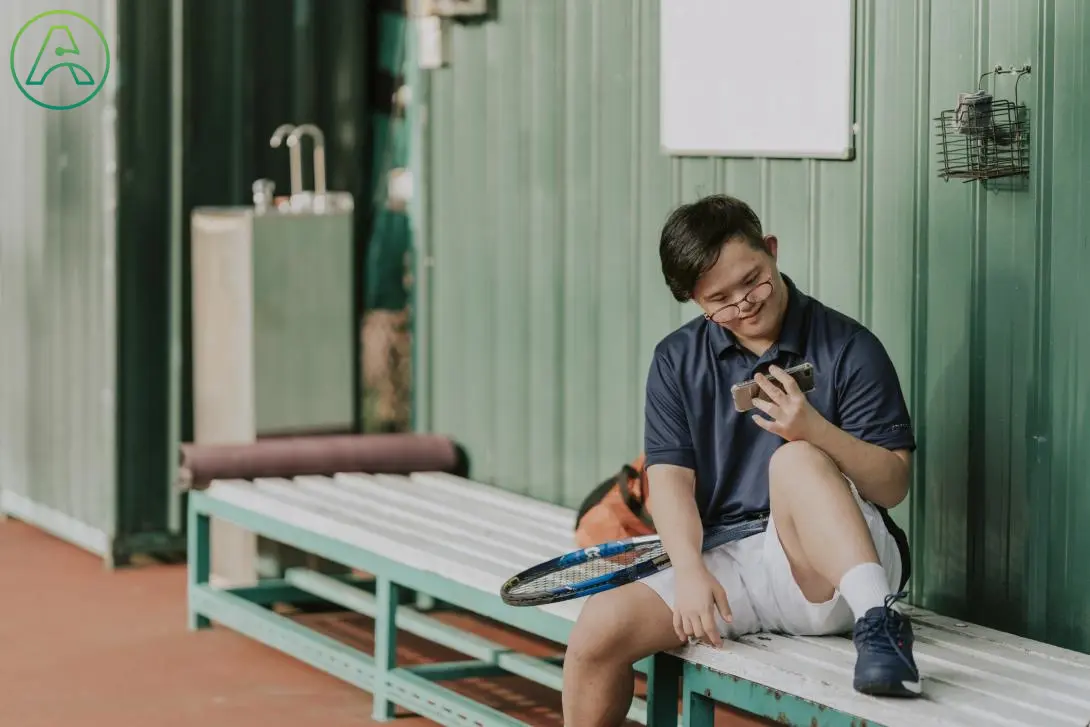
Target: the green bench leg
pixel 387 601
pixel 199 556
pixel 699 711
pixel 663 674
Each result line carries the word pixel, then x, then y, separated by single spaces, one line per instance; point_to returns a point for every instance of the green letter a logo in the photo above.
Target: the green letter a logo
pixel 60 41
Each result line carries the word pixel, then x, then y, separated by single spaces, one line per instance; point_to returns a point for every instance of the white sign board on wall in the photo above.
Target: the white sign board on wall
pixel 757 78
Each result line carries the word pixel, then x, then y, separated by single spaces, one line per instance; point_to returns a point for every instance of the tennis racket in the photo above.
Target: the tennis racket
pixel 608 565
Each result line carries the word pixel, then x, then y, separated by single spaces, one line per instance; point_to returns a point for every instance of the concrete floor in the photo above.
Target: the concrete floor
pixel 82 646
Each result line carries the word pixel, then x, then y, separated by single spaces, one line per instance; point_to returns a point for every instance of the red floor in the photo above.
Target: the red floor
pixel 84 647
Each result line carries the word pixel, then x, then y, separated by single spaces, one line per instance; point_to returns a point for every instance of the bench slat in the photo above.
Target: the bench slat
pixel 988 651
pixel 487 494
pixel 1001 641
pixel 772 661
pixel 558 515
pixel 528 513
pixel 375 535
pixel 394 528
pixel 402 526
pixel 963 681
pixel 468 514
pixel 364 496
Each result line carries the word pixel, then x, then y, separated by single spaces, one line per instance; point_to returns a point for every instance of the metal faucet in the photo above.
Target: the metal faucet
pixel 295 158
pixel 319 152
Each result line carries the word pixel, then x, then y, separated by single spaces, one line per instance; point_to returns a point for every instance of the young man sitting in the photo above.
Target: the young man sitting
pixel 823 466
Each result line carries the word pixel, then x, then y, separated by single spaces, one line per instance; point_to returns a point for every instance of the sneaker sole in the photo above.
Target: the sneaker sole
pixel 891 689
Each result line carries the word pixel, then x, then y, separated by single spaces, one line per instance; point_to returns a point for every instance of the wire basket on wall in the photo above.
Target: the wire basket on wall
pixel 985 137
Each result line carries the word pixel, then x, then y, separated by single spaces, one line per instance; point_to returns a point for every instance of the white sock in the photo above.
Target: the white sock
pixel 864 587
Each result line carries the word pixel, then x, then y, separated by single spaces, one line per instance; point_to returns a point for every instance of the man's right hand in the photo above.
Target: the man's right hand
pixel 697 597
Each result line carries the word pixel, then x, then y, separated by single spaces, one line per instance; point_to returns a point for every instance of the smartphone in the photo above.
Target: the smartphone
pixel 745 392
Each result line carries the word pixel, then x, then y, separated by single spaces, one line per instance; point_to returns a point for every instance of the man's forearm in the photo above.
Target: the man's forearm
pixel 677 521
pixel 881 476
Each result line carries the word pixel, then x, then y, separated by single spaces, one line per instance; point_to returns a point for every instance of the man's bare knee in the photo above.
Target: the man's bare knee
pixel 800 464
pixel 621 627
pixel 792 459
pixel 596 635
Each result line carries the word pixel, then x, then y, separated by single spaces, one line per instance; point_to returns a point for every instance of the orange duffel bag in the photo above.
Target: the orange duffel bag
pixel 617 508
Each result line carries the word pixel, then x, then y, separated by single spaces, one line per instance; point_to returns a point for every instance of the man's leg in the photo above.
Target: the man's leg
pixel 615 629
pixel 828 545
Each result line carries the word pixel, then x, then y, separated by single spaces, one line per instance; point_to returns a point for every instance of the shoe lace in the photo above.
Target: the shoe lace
pixel 887 625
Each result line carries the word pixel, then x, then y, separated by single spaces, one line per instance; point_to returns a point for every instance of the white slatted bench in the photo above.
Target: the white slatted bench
pixel 458 541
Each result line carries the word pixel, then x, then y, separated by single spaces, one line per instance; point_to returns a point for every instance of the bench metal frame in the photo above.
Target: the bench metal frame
pixel 972 668
pixel 243 609
pixel 703 688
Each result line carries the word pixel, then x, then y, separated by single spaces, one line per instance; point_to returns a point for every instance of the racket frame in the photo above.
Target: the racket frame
pixel 713 538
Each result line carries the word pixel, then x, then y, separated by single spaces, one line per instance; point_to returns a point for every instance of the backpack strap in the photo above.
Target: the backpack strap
pixel 634 490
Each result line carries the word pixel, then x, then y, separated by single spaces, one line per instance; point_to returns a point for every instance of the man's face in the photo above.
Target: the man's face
pixel 743 291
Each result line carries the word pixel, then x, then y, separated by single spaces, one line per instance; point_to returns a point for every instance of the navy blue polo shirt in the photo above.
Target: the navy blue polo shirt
pixel 690 420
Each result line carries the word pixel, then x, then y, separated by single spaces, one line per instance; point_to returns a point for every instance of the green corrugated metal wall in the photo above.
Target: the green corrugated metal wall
pixel 1060 469
pixel 94 370
pixel 545 193
pixel 69 417
pixel 57 321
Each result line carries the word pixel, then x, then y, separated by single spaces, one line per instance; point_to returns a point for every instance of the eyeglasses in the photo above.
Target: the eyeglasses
pixel 757 294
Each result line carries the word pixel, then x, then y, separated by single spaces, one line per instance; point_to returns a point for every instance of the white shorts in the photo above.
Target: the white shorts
pixel 762 593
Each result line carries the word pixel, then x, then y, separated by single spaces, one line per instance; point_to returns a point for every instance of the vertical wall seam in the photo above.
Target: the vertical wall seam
pixel 812 196
pixel 560 254
pixel 977 491
pixel 596 112
pixel 866 177
pixel 1038 477
pixel 766 193
pixel 917 515
pixel 634 220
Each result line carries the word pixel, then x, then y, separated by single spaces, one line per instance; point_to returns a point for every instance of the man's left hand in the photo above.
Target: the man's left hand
pixel 791 414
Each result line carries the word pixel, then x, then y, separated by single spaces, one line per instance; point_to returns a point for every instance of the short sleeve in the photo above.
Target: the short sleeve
pixel 870 402
pixel 667 439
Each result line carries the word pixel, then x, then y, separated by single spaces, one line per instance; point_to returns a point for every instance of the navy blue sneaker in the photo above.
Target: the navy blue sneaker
pixel 885 667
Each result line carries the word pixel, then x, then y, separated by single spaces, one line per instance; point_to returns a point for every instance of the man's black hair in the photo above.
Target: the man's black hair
pixel 694 235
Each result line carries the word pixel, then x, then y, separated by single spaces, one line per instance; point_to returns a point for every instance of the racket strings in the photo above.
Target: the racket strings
pixel 590 569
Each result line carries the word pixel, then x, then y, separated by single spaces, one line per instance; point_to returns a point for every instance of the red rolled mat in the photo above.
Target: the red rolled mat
pixel 318 455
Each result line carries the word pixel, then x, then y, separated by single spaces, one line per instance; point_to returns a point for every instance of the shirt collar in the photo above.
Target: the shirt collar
pixel 791 333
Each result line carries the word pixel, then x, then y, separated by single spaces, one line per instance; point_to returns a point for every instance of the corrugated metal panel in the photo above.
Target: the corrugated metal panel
pixel 57 309
pixel 87 253
pixel 1065 422
pixel 545 193
pixel 148 508
pixel 947 327
pixel 991 339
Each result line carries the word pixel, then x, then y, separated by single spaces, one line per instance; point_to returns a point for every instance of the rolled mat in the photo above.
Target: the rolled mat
pixel 318 455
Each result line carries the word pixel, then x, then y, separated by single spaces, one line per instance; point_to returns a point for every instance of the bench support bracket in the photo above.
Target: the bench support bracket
pixel 199 561
pixel 246 610
pixel 704 688
pixel 387 601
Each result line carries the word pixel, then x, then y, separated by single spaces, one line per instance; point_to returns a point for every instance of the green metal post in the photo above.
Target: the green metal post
pixel 200 561
pixel 385 647
pixel 418 83
pixel 662 690
pixel 177 278
pixel 699 711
